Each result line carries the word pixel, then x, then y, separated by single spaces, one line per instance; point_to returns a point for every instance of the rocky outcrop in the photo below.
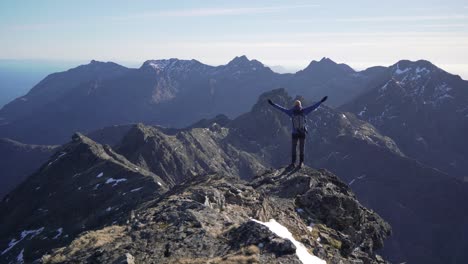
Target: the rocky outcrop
pixel 181 154
pixel 218 219
pixel 82 187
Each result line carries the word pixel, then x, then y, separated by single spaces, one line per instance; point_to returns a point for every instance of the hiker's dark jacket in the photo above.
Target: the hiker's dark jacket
pixel 295 110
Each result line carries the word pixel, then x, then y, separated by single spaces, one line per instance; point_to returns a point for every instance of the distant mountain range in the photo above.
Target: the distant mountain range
pixel 420 106
pixel 166 92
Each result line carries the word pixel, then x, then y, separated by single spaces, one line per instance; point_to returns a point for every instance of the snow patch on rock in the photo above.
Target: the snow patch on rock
pixel 13 242
pixel 301 251
pixel 115 181
pixel 20 257
pixel 59 233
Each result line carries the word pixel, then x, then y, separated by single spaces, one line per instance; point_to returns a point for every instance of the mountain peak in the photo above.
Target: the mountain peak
pixel 244 61
pixel 419 67
pixel 240 59
pixel 323 61
pixel 327 60
pixel 241 64
pixel 327 67
pixel 159 64
pixel 174 65
pixel 95 64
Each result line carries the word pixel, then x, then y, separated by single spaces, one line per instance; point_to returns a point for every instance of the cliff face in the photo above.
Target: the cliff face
pixel 219 219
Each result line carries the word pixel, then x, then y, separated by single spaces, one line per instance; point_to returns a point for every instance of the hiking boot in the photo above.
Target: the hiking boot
pixel 301 164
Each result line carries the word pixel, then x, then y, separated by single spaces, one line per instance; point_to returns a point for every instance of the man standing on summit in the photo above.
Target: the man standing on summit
pixel 299 128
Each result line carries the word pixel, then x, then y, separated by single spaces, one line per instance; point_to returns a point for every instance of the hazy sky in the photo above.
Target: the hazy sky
pixel 287 33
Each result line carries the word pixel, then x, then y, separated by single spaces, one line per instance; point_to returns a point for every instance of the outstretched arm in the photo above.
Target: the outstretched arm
pixel 311 108
pixel 282 109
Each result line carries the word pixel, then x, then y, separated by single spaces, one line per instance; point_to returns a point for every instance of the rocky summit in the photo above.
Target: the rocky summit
pixel 90 204
pixel 281 216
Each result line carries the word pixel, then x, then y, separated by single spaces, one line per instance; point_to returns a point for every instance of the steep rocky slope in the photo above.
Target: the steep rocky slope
pixel 56 85
pixel 181 154
pixel 83 186
pixel 217 219
pixel 424 109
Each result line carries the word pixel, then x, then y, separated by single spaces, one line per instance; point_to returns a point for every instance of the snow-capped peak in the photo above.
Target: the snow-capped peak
pixel 412 71
pixel 159 65
pixel 174 65
pixel 420 67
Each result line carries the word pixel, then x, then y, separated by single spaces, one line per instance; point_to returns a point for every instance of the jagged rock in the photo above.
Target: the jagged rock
pixel 328 201
pixel 84 186
pixel 252 233
pixel 126 259
pixel 182 227
pixel 187 153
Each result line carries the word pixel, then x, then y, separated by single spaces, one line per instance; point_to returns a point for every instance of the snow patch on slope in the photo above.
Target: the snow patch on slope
pixel 59 233
pixel 399 71
pixel 23 235
pixel 301 251
pixel 441 91
pixel 20 257
pixel 115 181
pixel 59 156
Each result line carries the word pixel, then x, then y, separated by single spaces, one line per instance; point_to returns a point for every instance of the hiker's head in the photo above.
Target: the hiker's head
pixel 298 103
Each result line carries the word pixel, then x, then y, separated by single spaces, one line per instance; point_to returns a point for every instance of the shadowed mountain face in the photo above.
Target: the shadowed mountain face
pixel 425 110
pixel 82 187
pixel 165 92
pixel 19 161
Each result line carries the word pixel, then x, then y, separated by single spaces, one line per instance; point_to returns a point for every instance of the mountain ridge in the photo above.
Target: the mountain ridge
pixel 101 94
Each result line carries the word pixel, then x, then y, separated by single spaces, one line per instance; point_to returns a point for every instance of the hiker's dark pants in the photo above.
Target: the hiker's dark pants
pixel 295 139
